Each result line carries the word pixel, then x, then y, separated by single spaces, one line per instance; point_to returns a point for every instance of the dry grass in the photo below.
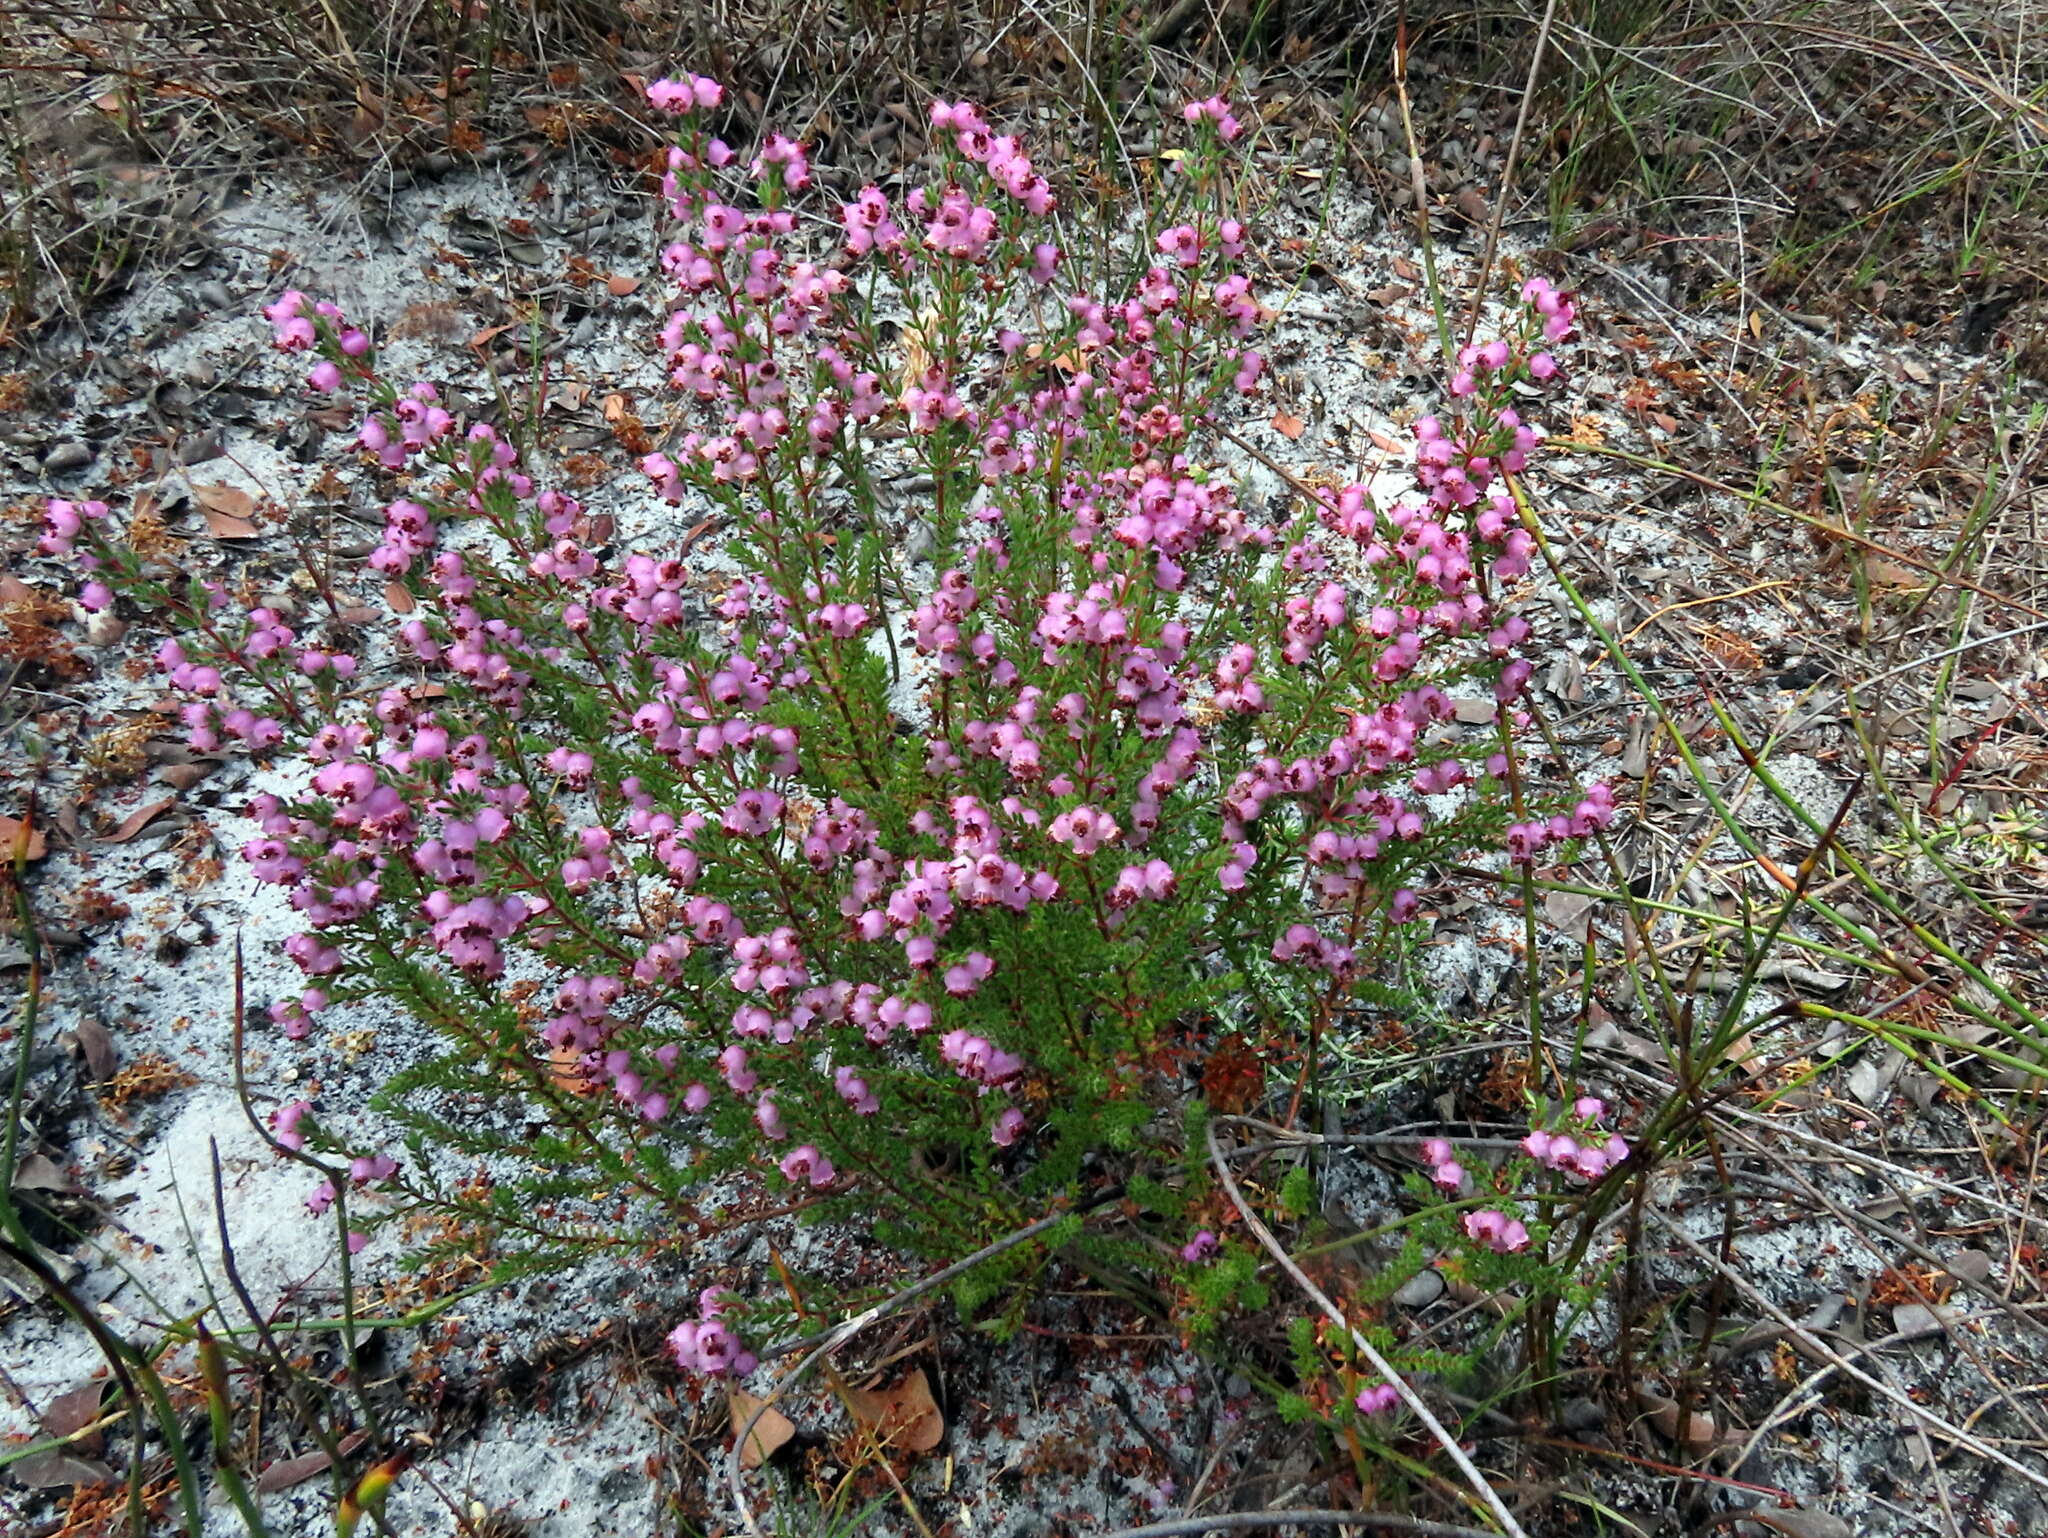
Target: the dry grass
pixel 123 126
pixel 1875 160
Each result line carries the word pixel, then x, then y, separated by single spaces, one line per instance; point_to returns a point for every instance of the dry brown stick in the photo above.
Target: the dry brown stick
pixel 1792 1404
pixel 1805 1190
pixel 1857 1223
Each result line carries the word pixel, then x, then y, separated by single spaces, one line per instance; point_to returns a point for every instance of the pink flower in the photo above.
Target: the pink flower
pixel 1496 1230
pixel 1378 1399
pixel 1199 1248
pixel 1084 829
pixel 1182 244
pixel 295 329
pixel 753 812
pixel 691 93
pixel 708 1345
pixel 285 1121
pixel 804 1162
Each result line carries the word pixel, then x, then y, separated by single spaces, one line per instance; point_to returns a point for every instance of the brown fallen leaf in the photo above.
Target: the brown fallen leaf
pixel 77 1463
pixel 1287 426
pixel 185 776
pixel 565 1069
pixel 770 1432
pixel 1474 712
pixel 1570 912
pixel 229 511
pixel 286 1472
pixel 57 1468
pixel 97 1048
pixel 138 819
pixel 399 596
pixel 903 1417
pixel 618 285
pixel 1798 1522
pixel 1700 1430
pixel 39 1172
pixel 74 1410
pixel 1892 575
pixel 696 532
pixel 12 831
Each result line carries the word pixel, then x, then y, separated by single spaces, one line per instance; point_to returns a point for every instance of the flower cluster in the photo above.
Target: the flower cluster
pixel 1496 1230
pixel 1583 1151
pixel 1580 1149
pixel 707 1344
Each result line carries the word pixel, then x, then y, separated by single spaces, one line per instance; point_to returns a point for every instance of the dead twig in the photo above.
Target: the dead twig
pixel 1507 175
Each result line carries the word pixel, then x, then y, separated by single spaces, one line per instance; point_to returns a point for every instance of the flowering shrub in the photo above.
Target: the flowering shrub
pixel 904 855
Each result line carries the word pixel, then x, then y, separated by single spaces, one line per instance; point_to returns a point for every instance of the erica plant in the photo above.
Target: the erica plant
pixel 911 850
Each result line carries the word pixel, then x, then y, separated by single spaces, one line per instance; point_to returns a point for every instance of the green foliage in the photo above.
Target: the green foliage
pixel 1297 1191
pixel 1294 1409
pixel 1226 1284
